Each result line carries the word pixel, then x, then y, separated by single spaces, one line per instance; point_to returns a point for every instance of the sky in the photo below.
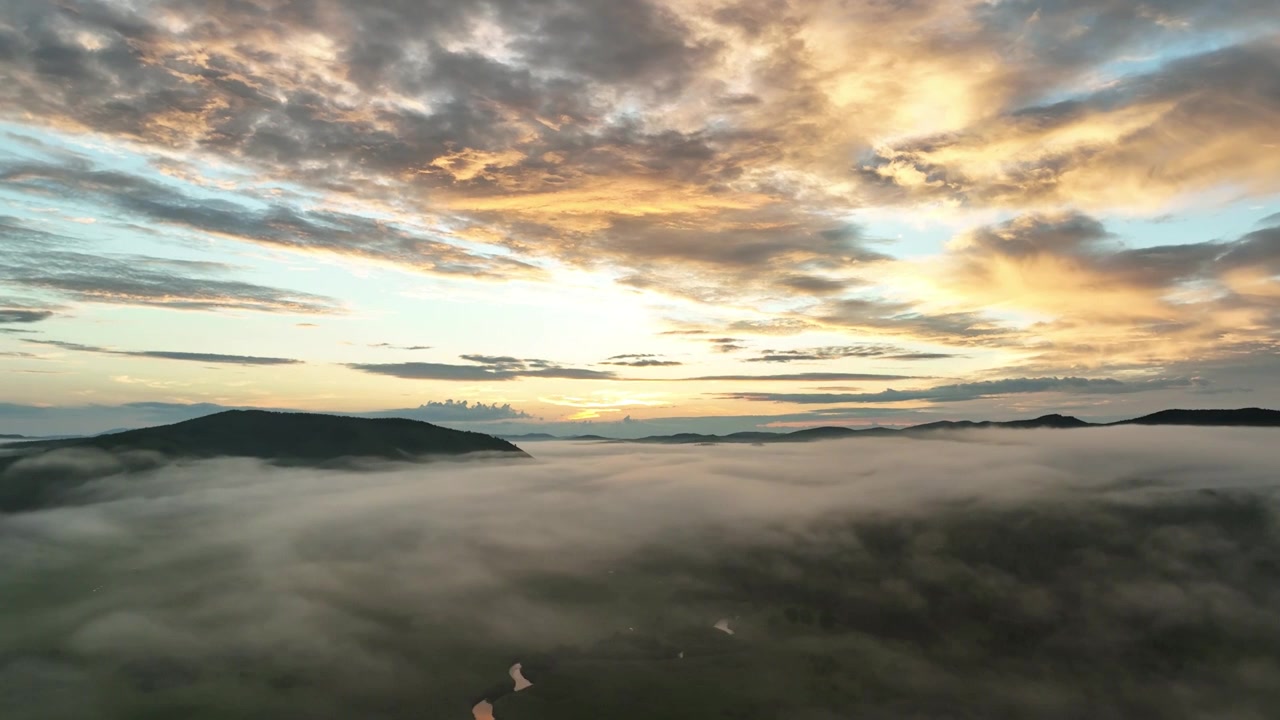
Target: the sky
pixel 628 217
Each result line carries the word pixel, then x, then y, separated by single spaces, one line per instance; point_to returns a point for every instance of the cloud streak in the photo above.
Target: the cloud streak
pixel 47 263
pixel 495 368
pixel 960 392
pixel 211 358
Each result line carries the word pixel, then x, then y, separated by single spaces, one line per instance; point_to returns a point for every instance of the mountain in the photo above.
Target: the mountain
pixel 1249 417
pixel 289 437
pixel 1245 417
pixel 1044 421
pixel 530 437
pixel 32 474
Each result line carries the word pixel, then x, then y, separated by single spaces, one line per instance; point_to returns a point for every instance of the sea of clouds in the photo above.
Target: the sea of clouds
pixel 1103 572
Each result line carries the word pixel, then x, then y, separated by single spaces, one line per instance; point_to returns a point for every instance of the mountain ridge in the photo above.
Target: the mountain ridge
pixel 34 473
pixel 1240 417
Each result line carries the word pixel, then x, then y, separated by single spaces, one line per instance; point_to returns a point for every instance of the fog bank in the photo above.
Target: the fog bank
pixel 1114 572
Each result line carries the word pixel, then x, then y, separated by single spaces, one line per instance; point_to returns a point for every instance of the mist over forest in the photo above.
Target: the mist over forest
pixel 1108 573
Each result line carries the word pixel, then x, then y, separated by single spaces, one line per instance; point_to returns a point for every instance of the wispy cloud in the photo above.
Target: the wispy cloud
pixel 482 367
pixel 975 390
pixel 888 352
pixel 38 261
pixel 213 358
pixel 17 315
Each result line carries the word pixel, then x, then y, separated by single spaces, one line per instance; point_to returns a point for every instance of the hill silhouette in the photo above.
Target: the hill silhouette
pixel 1044 421
pixel 36 472
pixel 1243 417
pixel 289 436
pixel 1249 417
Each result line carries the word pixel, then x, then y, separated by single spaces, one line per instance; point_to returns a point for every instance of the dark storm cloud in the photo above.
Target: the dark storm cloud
pixel 216 358
pixel 40 262
pixel 887 352
pixel 976 390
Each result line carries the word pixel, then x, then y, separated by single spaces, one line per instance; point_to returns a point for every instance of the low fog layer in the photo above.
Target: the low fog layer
pixel 1108 573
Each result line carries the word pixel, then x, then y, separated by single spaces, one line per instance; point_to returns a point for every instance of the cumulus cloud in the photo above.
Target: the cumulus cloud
pixel 454 411
pixel 986 572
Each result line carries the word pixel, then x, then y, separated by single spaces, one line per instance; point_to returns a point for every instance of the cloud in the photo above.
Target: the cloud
pixel 486 367
pixel 1100 301
pixel 726 344
pixel 43 262
pixel 710 150
pixel 19 315
pixel 960 392
pixel 215 358
pixel 454 411
pixel 1133 557
pixel 279 225
pixel 640 360
pixel 645 363
pixel 400 347
pixel 803 377
pixel 1113 138
pixel 714 151
pixel 888 352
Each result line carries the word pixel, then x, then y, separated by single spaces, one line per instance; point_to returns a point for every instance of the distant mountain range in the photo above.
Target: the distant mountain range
pixel 31 474
pixel 1243 417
